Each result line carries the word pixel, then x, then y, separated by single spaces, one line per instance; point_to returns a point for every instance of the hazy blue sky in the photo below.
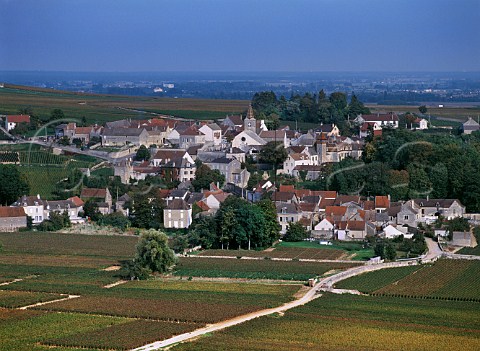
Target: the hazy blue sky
pixel 241 35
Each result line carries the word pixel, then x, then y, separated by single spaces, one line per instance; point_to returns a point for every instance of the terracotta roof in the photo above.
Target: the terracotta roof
pixel 324 203
pixel 325 194
pixel 287 188
pixel 77 201
pixel 351 225
pixel 169 154
pixel 18 118
pixel 300 193
pixel 382 202
pixel 83 130
pixel 11 212
pixel 191 131
pixel 335 210
pixel 93 193
pixel 203 206
pixel 307 206
pixel 163 193
pixel 368 205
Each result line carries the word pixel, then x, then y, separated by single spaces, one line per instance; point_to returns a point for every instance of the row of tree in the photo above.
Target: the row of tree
pixel 313 108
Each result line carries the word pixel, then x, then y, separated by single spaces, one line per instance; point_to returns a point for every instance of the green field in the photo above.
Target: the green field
pixel 103 108
pixel 254 269
pixel 349 322
pixel 446 279
pixel 51 266
pixel 353 250
pixel 281 252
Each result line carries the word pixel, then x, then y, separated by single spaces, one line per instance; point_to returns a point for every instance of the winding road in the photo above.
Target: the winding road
pixel 325 284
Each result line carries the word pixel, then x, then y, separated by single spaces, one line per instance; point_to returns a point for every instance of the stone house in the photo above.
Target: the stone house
pixel 12 219
pixel 124 136
pixel 177 214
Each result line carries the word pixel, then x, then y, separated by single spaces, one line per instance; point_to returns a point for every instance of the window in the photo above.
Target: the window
pixel 405 218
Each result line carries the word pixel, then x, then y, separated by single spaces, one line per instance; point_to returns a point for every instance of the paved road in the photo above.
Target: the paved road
pixel 323 285
pixel 434 250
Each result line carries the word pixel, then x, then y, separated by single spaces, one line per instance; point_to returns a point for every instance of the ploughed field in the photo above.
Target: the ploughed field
pixel 70 268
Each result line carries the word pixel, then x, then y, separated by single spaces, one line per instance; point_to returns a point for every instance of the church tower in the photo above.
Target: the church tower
pixel 250 123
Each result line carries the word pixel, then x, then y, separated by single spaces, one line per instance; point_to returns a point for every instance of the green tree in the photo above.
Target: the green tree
pixel 356 107
pixel 272 227
pixel 90 210
pixel 143 154
pixel 153 252
pixel 295 232
pixel 379 249
pixel 423 109
pixel 273 153
pixel 57 114
pixel 65 141
pixel 115 219
pixel 147 211
pixel 12 184
pixel 390 252
pixel 204 176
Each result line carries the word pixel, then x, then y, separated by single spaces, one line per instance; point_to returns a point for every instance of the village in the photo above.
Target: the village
pixel 178 148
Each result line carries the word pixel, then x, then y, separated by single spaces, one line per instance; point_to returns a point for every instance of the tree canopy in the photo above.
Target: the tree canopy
pixel 204 175
pixel 143 154
pixel 152 256
pixel 12 184
pixel 273 153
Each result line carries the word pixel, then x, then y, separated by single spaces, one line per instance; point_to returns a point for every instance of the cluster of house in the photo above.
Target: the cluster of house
pixel 328 215
pixel 225 147
pixel 14 217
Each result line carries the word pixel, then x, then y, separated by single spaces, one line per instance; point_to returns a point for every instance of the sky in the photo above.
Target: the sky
pixel 240 35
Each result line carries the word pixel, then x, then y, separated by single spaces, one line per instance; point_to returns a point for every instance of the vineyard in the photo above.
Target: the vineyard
pixel 255 269
pixel 135 313
pixel 12 299
pixel 281 252
pixel 446 279
pixel 348 322
pixel 369 282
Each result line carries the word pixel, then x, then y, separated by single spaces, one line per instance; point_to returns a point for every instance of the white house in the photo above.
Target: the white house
pixel 212 132
pixel 294 160
pixel 247 139
pixel 391 232
pixel 324 225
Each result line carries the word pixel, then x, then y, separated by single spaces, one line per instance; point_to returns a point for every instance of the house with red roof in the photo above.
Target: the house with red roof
pixel 11 121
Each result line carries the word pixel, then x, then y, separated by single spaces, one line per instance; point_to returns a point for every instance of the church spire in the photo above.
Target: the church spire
pixel 250 112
